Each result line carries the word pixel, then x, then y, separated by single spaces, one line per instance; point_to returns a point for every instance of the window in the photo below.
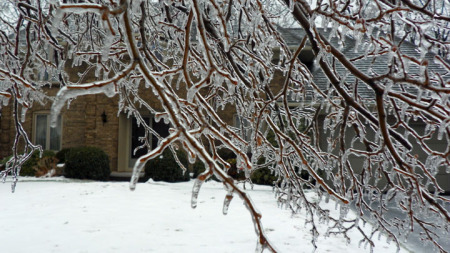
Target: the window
pixel 138 131
pixel 49 138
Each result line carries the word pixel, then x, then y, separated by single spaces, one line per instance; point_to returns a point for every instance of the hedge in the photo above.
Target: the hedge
pixel 87 163
pixel 165 168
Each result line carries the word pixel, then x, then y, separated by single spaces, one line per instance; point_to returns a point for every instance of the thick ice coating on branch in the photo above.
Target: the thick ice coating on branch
pixel 346 100
pixel 141 161
pixel 67 93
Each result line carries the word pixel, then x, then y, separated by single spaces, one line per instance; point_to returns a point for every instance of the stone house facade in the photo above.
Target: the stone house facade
pixel 89 121
pixel 81 125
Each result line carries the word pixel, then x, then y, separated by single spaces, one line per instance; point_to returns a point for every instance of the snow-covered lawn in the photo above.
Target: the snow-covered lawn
pixel 82 216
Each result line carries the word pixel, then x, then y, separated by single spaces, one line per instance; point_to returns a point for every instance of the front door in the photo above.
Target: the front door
pixel 137 137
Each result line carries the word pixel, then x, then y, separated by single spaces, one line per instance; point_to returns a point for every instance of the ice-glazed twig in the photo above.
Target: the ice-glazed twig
pixel 141 161
pixel 106 87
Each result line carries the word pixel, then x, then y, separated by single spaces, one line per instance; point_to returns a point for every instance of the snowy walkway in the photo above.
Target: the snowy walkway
pixel 78 216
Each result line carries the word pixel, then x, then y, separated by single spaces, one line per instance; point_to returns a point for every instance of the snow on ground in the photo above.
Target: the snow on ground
pixel 83 216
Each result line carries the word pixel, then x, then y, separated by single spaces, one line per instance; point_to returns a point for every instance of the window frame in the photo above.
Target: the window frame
pixel 48 130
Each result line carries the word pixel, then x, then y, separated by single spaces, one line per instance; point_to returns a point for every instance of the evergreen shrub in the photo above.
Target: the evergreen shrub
pixel 263 176
pixel 4 161
pixel 61 155
pixel 87 163
pixel 165 168
pixel 197 168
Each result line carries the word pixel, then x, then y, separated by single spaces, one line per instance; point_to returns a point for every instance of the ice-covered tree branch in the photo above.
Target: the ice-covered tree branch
pixel 362 122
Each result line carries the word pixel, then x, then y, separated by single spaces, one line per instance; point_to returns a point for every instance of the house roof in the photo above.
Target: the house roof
pixel 370 65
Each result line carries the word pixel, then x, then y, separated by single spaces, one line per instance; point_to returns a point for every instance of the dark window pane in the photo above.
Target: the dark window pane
pixel 160 128
pixel 55 136
pixel 136 133
pixel 41 130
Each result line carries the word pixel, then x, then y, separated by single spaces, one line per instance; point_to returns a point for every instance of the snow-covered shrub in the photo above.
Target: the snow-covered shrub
pixel 87 163
pixel 165 168
pixel 28 168
pixel 47 167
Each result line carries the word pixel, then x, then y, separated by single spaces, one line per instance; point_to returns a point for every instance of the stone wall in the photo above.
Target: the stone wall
pixel 82 125
pixel 82 122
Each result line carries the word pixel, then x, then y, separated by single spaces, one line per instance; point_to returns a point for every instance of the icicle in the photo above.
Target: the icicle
pixel 138 167
pixel 190 94
pixel 57 20
pixel 442 129
pixel 259 247
pixel 13 184
pixel 195 191
pixel 159 116
pixel 23 114
pixel 227 201
pixel 192 158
